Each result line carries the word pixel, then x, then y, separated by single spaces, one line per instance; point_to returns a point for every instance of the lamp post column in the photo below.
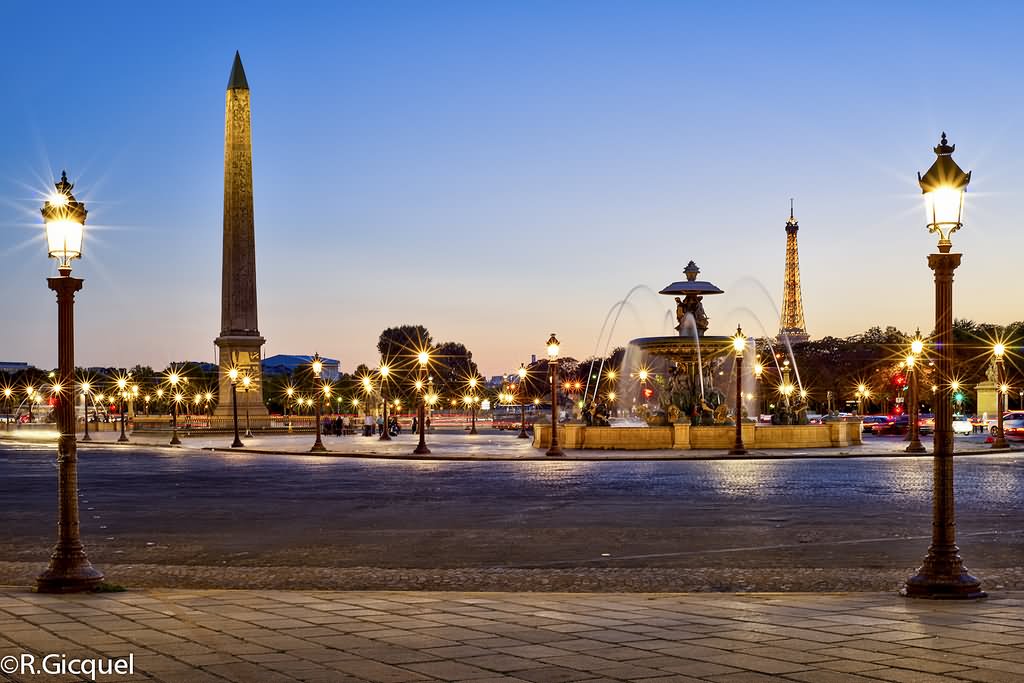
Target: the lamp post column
pixel 85 397
pixel 554 449
pixel 318 445
pixel 237 443
pixel 738 447
pixel 121 406
pixel 915 445
pixel 69 569
pixel 421 447
pixel 943 575
pixel 175 441
pixel 1000 440
pixel 522 416
pixel 384 435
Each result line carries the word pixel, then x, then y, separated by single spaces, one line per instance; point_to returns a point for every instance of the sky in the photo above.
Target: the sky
pixel 497 171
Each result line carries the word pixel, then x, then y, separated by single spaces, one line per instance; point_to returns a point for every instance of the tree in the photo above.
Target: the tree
pixel 399 347
pixel 453 365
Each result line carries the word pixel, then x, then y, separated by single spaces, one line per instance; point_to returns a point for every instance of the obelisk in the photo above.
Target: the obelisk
pixel 239 341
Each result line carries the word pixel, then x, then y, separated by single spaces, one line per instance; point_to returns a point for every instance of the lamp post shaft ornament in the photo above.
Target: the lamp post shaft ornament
pixel 942 574
pixel 69 569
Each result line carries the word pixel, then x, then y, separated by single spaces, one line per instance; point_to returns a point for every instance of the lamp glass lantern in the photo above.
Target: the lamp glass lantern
pixel 64 217
pixel 943 186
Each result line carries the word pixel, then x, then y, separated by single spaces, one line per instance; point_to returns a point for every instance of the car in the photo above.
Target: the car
pixel 961 425
pixel 870 421
pixel 1013 430
pixel 925 423
pixel 897 424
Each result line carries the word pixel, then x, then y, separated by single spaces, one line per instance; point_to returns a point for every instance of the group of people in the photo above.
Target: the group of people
pixel 596 414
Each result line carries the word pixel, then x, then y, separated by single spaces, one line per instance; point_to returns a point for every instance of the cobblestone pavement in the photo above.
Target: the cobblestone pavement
pixel 394 637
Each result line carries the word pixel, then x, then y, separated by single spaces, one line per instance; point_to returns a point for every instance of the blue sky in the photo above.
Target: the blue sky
pixel 497 171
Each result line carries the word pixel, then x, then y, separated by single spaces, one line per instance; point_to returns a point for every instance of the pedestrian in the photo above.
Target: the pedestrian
pixel 368 425
pixel 415 423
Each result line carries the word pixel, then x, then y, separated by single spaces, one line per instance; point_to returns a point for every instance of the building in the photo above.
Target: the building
pixel 286 364
pixel 13 367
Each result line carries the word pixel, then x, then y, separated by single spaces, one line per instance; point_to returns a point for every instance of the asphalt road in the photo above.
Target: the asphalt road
pixel 244 510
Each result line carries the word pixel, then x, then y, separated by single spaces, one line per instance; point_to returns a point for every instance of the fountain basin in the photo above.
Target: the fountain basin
pixel 687 437
pixel 684 349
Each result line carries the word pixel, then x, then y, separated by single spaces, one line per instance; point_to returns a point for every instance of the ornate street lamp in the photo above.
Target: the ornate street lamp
pixel 423 360
pixel 384 371
pixel 470 399
pixel 7 408
pixel 86 390
pixel 289 398
pixel 69 569
pixel 916 348
pixel 943 575
pixel 553 346
pixel 246 386
pixel 739 344
pixel 522 401
pixel 233 377
pixel 122 394
pixel 173 378
pixel 317 366
pixel 999 350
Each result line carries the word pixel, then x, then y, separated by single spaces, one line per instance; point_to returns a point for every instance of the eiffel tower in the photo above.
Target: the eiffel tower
pixel 792 325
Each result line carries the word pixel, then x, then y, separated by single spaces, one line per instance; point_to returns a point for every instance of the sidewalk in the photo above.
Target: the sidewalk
pixel 487 445
pixel 393 637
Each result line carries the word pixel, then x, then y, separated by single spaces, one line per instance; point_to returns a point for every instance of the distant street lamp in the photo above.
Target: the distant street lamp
pixel 30 394
pixel 384 371
pixel 7 408
pixel 86 390
pixel 998 350
pixel 522 401
pixel 758 373
pixel 246 386
pixel 290 394
pixel 173 378
pixel 943 575
pixel 916 349
pixel 471 400
pixel 422 359
pixel 69 569
pixel 553 346
pixel 739 344
pixel 233 376
pixel 317 366
pixel 122 393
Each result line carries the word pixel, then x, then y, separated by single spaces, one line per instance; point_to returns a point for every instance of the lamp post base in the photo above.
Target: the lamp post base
pixel 237 443
pixel 421 449
pixel 175 441
pixel 318 448
pixel 737 450
pixel 69 572
pixel 523 434
pixel 1000 442
pixel 555 451
pixel 942 576
pixel 915 446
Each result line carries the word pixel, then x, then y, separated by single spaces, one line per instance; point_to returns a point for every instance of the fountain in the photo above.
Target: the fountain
pixel 691 412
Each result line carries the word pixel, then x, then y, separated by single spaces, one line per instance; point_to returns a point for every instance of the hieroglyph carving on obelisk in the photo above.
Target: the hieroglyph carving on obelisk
pixel 239 341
